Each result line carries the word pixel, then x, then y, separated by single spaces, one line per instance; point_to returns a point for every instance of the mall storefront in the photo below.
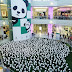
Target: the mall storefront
pixel 44 29
pixel 40 29
pixel 4 32
pixel 63 13
pixel 5 21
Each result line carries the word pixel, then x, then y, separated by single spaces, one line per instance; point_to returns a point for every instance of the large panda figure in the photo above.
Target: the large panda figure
pixel 19 12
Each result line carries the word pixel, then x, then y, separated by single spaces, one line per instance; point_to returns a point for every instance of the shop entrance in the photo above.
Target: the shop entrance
pixel 40 29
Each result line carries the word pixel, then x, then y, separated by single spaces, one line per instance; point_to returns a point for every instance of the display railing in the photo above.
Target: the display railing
pixel 4 18
pixel 43 0
pixel 63 17
pixel 55 17
pixel 3 1
pixel 40 17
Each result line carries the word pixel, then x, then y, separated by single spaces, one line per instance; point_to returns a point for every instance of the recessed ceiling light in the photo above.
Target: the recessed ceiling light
pixel 40 28
pixel 40 10
pixel 51 3
pixel 51 22
pixel 40 7
pixel 3 23
pixel 1 0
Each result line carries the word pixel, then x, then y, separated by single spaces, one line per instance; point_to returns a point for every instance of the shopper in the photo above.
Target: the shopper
pixel 67 34
pixel 68 38
pixel 48 34
pixel 4 67
pixel 48 16
pixel 63 36
pixel 60 36
pixel 7 69
pixel 52 35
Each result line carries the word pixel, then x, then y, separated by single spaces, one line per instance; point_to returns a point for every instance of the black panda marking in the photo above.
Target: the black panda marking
pixel 26 2
pixel 15 8
pixel 18 12
pixel 16 20
pixel 23 11
pixel 24 24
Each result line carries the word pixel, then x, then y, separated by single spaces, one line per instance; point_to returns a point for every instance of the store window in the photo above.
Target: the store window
pixel 63 13
pixel 4 11
pixel 40 12
pixel 40 29
pixel 5 17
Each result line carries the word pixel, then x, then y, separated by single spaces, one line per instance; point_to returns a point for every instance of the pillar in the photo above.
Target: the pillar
pixel 31 28
pixel 31 18
pixel 50 14
pixel 10 20
pixel 0 13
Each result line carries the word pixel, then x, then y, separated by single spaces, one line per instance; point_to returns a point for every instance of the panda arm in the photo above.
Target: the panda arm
pixel 14 20
pixel 27 25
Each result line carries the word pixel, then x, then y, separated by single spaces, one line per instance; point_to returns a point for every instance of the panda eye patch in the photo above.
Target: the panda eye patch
pixel 15 7
pixel 23 11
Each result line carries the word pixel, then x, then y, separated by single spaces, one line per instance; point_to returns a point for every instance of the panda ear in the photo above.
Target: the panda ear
pixel 26 2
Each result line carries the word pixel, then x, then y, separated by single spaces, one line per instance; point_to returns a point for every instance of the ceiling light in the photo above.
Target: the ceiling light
pixel 3 23
pixel 40 10
pixel 1 0
pixel 51 3
pixel 40 7
pixel 40 28
pixel 51 22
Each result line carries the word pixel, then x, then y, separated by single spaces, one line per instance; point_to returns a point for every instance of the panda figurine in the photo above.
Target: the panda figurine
pixel 19 11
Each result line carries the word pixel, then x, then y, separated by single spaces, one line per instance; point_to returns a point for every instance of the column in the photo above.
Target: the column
pixel 10 19
pixel 31 28
pixel 31 18
pixel 50 14
pixel 0 13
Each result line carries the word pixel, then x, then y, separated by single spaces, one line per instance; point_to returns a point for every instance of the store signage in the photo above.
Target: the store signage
pixel 64 9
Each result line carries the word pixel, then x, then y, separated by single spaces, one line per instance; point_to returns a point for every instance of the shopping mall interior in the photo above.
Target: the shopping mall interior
pixel 35 36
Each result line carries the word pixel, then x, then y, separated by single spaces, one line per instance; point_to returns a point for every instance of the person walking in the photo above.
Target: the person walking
pixel 4 67
pixel 7 69
pixel 52 35
pixel 48 34
pixel 60 36
pixel 67 34
pixel 63 36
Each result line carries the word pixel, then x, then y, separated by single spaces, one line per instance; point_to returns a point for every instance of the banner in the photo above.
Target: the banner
pixel 21 19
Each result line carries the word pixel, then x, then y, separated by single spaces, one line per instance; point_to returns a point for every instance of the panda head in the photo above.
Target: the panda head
pixel 19 8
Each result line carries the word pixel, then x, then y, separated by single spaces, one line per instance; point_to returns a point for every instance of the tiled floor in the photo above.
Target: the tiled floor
pixel 46 36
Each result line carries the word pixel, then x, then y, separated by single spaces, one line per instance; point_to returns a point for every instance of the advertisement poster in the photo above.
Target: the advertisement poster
pixel 21 19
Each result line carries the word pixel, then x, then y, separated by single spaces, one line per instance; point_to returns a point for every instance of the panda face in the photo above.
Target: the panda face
pixel 19 9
